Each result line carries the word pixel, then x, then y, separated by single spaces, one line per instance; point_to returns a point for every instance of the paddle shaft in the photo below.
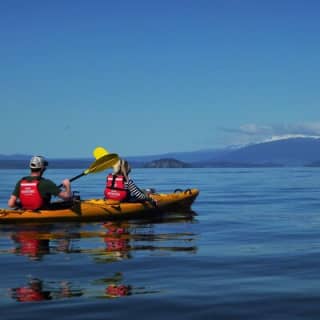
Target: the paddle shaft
pixel 74 178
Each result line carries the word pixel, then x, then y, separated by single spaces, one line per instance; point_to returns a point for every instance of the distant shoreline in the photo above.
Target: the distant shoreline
pixel 56 164
pixel 85 163
pixel 289 152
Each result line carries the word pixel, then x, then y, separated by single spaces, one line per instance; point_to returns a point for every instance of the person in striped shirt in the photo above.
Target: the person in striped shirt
pixel 121 187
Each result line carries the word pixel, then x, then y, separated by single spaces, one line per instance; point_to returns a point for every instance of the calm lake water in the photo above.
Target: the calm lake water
pixel 251 252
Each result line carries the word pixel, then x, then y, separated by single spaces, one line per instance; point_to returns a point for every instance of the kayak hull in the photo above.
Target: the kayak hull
pixel 100 209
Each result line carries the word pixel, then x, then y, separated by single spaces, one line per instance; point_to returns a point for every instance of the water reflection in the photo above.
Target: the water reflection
pixel 28 244
pixel 116 291
pixel 33 291
pixel 117 240
pixel 107 242
pixel 37 290
pixel 117 287
pixel 35 242
pixel 114 287
pixel 122 240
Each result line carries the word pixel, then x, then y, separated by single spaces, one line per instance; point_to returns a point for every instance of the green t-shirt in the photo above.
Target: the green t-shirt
pixel 47 188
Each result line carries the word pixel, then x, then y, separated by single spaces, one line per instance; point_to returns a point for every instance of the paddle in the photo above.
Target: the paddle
pixel 99 152
pixel 104 162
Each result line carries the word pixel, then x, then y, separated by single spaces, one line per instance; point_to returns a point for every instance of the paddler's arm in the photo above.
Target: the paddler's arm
pixel 12 202
pixel 65 194
pixel 139 194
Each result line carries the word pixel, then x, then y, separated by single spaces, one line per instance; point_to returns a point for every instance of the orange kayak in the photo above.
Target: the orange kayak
pixel 100 209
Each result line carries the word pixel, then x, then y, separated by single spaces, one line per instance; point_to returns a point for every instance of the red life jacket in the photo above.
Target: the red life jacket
pixel 26 294
pixel 115 188
pixel 30 196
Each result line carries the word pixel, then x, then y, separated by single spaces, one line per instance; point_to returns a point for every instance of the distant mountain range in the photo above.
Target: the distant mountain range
pixel 301 151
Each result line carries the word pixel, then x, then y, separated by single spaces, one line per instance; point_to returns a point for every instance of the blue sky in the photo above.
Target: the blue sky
pixel 146 77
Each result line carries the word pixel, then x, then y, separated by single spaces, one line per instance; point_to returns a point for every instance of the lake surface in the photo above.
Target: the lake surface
pixel 251 252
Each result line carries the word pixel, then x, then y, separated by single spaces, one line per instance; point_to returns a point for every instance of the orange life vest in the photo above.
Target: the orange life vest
pixel 115 188
pixel 30 196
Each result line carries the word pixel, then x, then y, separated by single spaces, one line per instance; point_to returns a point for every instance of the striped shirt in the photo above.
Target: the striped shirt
pixel 135 193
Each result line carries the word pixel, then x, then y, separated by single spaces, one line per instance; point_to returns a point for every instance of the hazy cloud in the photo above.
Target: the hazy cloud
pixel 249 133
pixel 250 129
pixel 312 128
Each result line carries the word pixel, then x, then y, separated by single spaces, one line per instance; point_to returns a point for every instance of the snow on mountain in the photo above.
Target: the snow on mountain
pixel 293 150
pixel 289 136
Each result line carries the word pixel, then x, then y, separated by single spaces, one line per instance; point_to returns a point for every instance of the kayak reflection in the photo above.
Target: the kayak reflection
pixel 120 239
pixel 97 243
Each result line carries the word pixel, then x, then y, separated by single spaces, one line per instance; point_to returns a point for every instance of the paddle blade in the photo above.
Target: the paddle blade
pixel 105 162
pixel 99 152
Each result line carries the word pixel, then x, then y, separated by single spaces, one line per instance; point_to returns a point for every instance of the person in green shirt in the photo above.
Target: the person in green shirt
pixel 34 192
